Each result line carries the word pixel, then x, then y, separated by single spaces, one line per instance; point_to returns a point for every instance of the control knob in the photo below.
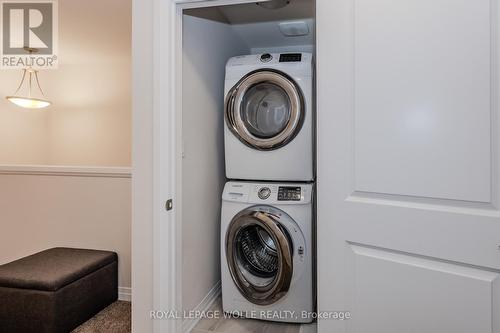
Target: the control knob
pixel 266 57
pixel 264 193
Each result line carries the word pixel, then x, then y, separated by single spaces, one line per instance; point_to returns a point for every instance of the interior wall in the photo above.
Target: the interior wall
pixel 89 122
pixel 40 212
pixel 274 40
pixel 207 47
pixel 284 49
pixel 23 134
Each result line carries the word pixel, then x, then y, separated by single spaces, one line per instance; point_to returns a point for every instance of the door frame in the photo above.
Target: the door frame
pixel 161 112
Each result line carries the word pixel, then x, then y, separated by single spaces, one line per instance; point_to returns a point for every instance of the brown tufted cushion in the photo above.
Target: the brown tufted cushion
pixel 52 269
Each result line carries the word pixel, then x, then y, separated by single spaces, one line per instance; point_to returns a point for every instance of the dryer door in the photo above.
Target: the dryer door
pixel 259 255
pixel 265 109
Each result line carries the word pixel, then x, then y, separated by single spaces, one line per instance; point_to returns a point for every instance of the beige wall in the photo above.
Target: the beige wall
pixel 90 120
pixel 89 124
pixel 40 212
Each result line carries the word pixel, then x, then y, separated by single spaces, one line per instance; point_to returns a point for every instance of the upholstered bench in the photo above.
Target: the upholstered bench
pixel 56 290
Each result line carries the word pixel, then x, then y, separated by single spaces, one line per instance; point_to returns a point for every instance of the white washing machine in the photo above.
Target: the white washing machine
pixel 269 117
pixel 266 251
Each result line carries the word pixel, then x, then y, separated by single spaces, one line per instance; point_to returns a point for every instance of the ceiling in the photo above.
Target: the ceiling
pixel 258 27
pixel 252 13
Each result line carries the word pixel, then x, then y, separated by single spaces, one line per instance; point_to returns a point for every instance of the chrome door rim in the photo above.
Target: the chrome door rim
pixel 281 283
pixel 233 110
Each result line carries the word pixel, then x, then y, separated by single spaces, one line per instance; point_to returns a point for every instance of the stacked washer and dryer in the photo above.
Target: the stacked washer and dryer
pixel 267 207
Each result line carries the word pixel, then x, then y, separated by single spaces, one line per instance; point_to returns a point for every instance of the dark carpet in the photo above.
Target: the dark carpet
pixel 113 319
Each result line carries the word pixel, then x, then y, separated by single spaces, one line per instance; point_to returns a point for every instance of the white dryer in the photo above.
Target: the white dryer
pixel 266 251
pixel 269 118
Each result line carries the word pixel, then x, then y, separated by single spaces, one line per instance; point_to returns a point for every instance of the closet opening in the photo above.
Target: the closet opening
pixel 211 37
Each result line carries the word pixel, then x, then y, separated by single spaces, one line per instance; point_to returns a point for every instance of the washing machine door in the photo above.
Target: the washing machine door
pixel 265 109
pixel 259 255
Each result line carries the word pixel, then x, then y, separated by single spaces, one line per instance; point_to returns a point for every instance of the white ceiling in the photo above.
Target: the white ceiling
pixel 251 12
pixel 258 27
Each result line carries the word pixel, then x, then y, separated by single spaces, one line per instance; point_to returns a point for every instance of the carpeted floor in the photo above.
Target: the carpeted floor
pixel 113 319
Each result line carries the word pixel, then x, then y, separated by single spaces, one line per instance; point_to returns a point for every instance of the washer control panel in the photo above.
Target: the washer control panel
pixel 269 193
pixel 291 57
pixel 289 193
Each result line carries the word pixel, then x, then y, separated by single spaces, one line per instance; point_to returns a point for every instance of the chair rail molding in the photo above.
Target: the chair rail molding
pixel 59 170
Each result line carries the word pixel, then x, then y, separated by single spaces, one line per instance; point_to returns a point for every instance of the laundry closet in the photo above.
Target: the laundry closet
pixel 211 37
pixel 407 175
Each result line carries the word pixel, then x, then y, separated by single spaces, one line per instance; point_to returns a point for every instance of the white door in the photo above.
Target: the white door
pixel 408 165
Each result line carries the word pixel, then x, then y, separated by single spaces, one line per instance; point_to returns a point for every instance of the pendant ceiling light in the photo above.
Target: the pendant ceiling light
pixel 29 95
pixel 274 4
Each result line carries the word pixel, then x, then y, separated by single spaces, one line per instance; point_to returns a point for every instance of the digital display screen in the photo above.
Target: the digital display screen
pixel 289 193
pixel 291 57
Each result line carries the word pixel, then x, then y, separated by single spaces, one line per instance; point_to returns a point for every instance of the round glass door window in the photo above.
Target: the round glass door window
pixel 259 256
pixel 266 110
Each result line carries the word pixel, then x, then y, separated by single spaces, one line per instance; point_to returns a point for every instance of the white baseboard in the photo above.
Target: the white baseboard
pixel 205 304
pixel 125 294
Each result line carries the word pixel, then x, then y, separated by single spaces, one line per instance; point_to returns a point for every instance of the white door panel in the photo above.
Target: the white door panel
pixel 463 237
pixel 408 165
pixel 422 98
pixel 445 297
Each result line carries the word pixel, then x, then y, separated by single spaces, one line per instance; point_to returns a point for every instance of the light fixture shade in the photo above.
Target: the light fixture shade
pixel 29 93
pixel 29 103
